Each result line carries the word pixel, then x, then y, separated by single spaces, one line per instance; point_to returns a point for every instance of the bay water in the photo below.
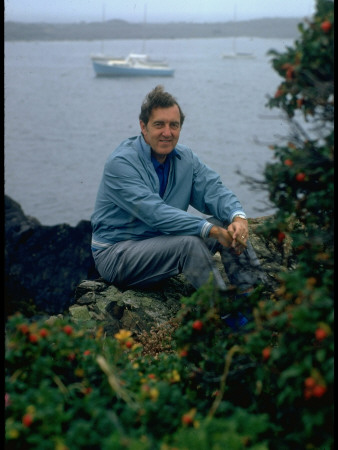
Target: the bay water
pixel 62 122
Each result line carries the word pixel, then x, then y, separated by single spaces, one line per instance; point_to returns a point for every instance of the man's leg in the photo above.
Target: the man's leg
pixel 140 263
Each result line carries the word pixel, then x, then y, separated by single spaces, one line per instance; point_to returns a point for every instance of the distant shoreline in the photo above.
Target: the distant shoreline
pixel 286 28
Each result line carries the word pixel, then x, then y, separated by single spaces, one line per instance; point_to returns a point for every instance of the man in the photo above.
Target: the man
pixel 142 232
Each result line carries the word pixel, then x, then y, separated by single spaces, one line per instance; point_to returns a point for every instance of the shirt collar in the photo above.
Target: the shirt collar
pixel 167 160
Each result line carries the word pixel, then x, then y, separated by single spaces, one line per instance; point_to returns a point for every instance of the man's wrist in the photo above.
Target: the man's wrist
pixel 240 216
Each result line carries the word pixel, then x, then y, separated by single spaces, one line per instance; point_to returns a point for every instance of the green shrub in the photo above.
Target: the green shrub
pixel 197 383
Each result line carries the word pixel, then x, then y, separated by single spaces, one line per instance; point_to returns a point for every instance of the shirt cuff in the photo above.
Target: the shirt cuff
pixel 236 213
pixel 205 229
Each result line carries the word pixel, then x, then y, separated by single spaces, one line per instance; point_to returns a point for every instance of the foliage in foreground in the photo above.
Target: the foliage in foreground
pixel 268 386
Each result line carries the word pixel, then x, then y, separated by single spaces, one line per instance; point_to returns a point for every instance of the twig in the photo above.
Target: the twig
pixel 219 396
pixel 239 240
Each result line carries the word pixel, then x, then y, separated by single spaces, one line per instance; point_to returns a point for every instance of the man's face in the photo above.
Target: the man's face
pixel 162 131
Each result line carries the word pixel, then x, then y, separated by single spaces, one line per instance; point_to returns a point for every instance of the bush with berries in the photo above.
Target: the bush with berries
pixel 198 383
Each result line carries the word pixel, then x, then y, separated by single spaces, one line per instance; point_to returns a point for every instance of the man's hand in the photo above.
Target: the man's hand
pixel 234 237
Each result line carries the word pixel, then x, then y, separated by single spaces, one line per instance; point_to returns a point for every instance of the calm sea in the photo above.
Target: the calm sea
pixel 61 122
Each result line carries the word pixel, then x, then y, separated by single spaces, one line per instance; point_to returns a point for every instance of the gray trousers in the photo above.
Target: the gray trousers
pixel 141 263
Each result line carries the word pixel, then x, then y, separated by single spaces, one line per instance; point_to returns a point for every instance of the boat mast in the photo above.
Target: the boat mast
pixel 234 49
pixel 103 20
pixel 144 29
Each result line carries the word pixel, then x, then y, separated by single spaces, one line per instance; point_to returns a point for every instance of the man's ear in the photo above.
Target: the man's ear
pixel 143 126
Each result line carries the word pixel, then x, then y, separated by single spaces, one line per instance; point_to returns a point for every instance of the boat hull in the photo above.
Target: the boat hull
pixel 105 69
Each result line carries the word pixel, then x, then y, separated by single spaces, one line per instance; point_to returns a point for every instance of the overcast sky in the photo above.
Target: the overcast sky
pixel 154 10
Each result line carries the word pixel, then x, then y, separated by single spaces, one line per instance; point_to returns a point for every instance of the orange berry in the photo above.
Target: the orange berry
pixel 197 325
pixel 320 334
pixel 23 328
pixel 308 393
pixel 266 352
pixel 326 26
pixel 43 332
pixel 310 382
pixel 300 176
pixel 288 162
pixel 318 391
pixel 33 338
pixel 187 419
pixel 27 420
pixel 68 329
pixel 281 236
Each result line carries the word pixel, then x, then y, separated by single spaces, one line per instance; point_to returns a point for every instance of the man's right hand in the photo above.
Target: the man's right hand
pixel 222 235
pixel 224 238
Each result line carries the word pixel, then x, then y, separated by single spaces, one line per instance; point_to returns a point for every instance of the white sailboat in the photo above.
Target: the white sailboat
pixel 235 54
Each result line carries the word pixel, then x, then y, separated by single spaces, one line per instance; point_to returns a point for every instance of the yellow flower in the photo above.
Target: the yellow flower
pixel 153 393
pixel 13 434
pixel 30 409
pixel 79 372
pixel 175 376
pixel 123 335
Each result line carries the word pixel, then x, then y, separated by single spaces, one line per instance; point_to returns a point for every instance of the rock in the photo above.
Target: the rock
pixel 43 264
pixel 132 309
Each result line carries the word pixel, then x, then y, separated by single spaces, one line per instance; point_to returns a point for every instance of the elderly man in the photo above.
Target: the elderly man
pixel 142 232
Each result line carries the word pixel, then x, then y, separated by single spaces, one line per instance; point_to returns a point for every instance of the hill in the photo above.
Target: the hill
pixel 119 29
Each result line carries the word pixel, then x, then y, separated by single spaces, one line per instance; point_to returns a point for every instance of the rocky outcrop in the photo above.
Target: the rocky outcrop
pixel 52 268
pixel 44 264
pixel 140 309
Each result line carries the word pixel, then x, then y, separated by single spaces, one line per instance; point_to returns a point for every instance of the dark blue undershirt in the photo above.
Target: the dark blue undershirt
pixel 162 171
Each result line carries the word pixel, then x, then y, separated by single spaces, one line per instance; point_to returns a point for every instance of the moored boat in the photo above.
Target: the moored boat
pixel 134 65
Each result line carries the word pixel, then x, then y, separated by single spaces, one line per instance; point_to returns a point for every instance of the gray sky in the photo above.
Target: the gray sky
pixel 154 10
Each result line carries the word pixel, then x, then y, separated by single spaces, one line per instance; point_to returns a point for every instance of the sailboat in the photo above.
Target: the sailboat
pixel 135 64
pixel 235 54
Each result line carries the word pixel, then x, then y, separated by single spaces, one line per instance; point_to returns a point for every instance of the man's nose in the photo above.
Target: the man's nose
pixel 166 130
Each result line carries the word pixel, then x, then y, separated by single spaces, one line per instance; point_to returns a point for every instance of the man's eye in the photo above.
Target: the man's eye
pixel 175 125
pixel 158 124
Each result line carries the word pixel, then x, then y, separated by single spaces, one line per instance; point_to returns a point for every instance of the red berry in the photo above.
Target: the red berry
pixel 266 352
pixel 71 356
pixel 197 325
pixel 320 334
pixel 86 352
pixel 326 26
pixel 27 420
pixel 310 382
pixel 288 162
pixel 187 419
pixel 308 393
pixel 281 236
pixel 151 376
pixel 68 329
pixel 318 391
pixel 300 176
pixel 129 344
pixel 23 328
pixel 183 353
pixel 43 332
pixel 289 73
pixel 33 338
pixel 278 93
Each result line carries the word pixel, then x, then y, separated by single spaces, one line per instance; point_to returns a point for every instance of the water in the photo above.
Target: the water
pixel 61 122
